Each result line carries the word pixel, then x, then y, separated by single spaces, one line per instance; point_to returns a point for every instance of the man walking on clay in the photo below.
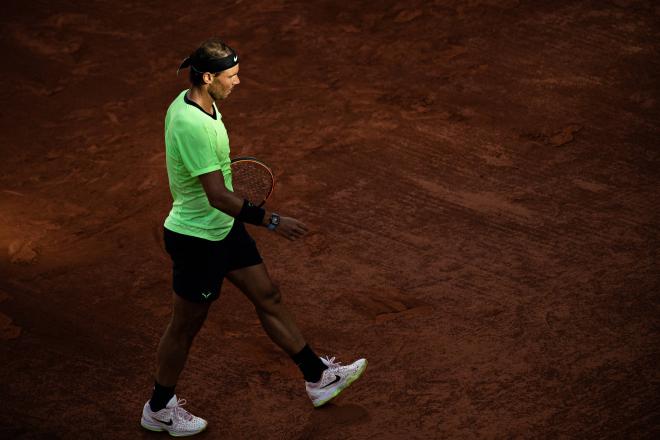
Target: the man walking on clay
pixel 206 238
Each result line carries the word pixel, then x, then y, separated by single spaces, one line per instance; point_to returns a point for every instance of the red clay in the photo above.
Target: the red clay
pixel 482 182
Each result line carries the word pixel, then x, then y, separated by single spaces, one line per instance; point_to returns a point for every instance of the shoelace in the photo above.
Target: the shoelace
pixel 330 362
pixel 179 412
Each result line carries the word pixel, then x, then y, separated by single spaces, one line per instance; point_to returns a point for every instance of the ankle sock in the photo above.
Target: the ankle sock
pixel 160 397
pixel 310 364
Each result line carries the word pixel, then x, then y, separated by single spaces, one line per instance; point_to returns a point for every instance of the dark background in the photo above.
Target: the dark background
pixel 481 179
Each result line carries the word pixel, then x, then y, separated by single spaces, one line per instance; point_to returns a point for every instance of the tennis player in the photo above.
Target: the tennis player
pixel 206 238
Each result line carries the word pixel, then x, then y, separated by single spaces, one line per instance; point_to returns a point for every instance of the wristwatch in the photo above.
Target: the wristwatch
pixel 274 221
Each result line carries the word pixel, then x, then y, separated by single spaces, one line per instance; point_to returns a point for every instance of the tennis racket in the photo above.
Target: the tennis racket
pixel 252 179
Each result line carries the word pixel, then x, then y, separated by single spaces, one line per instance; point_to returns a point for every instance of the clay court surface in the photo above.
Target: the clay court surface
pixel 481 180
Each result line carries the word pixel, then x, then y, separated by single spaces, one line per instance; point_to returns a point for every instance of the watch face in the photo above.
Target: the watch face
pixel 275 219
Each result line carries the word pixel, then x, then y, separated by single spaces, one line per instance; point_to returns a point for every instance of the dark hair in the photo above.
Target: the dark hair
pixel 211 49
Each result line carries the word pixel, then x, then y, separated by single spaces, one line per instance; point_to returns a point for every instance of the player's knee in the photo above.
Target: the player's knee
pixel 270 296
pixel 195 325
pixel 187 327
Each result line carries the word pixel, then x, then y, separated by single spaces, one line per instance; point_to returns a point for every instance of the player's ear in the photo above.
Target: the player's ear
pixel 207 77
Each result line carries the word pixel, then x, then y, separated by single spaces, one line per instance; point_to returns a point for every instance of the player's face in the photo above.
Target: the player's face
pixel 223 83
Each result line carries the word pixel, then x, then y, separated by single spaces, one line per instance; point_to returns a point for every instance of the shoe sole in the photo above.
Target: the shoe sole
pixel 342 388
pixel 173 434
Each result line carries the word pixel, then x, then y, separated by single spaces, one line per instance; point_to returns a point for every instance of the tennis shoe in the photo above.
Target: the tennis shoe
pixel 173 418
pixel 335 379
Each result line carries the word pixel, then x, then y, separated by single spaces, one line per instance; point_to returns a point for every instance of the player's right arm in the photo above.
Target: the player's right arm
pixel 221 198
pixel 219 195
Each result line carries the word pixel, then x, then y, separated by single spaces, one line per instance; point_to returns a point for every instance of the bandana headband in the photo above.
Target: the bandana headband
pixel 214 65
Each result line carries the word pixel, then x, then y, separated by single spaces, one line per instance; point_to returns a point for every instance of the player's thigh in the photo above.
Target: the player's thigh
pixel 255 282
pixel 187 316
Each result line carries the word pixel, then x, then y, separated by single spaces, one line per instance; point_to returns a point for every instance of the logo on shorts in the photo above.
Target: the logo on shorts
pixel 206 295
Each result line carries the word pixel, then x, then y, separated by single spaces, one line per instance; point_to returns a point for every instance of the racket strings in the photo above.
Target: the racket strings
pixel 251 181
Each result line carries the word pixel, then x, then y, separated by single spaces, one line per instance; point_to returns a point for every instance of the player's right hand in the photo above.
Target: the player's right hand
pixel 291 229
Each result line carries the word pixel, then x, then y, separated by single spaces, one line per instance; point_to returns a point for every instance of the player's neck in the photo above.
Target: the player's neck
pixel 202 98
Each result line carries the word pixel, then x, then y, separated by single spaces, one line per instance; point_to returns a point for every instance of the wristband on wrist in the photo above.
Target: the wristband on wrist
pixel 251 214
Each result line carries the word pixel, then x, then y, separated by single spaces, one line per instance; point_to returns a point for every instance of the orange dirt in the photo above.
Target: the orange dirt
pixel 481 179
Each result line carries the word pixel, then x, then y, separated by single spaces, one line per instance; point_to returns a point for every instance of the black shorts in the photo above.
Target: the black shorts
pixel 200 265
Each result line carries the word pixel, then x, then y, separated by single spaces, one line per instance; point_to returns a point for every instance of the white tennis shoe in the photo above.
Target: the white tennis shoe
pixel 334 380
pixel 173 418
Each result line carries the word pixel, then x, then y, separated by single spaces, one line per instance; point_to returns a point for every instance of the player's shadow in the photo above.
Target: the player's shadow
pixel 331 417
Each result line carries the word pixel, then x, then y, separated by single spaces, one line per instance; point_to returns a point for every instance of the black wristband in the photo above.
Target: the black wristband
pixel 251 214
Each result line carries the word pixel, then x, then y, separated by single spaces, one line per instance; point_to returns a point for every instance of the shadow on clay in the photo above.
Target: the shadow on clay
pixel 332 416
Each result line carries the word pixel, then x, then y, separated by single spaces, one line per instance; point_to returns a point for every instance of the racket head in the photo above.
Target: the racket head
pixel 252 179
